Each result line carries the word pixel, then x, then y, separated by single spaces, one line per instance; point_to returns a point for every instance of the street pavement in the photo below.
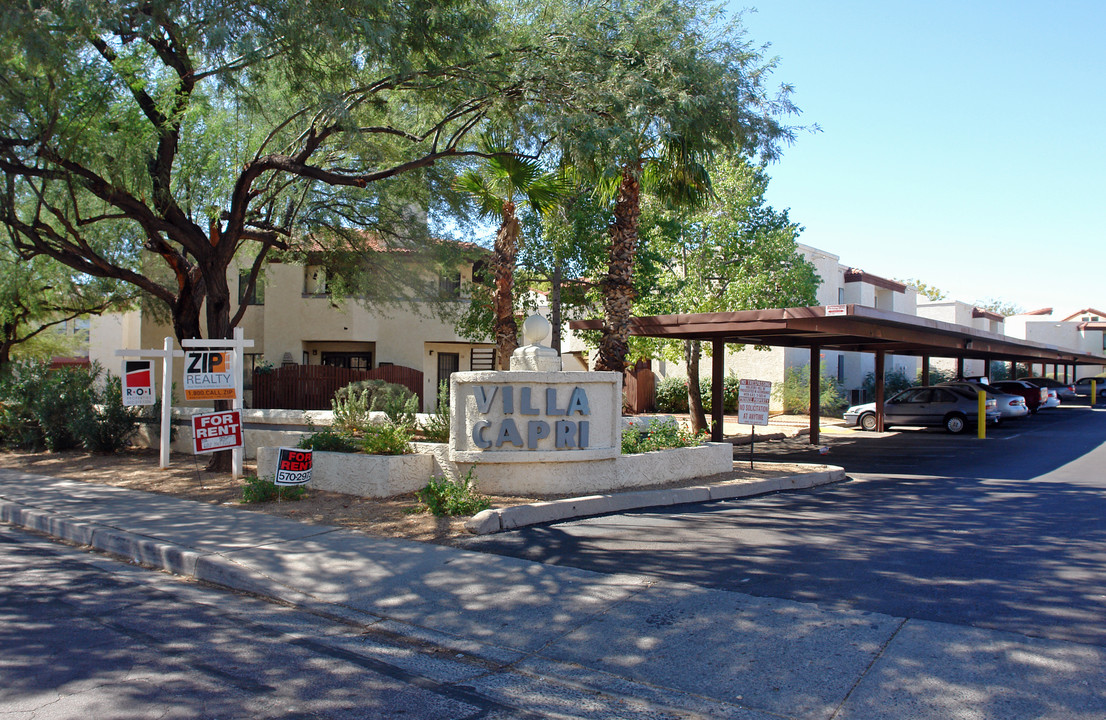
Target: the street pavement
pixel 565 642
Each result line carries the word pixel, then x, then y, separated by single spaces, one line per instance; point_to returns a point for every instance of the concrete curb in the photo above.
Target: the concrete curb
pixel 176 559
pixel 496 520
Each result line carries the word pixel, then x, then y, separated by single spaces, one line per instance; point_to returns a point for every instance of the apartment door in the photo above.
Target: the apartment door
pixel 448 363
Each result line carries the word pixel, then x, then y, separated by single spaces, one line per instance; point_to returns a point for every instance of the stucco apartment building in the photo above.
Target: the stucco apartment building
pixel 1083 330
pixel 967 315
pixel 293 320
pixel 841 284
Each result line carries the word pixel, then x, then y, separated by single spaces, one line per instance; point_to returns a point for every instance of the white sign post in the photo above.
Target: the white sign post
pixel 167 354
pixel 753 399
pixel 235 346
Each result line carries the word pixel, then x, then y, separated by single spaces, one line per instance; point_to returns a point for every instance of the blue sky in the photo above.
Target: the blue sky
pixel 961 143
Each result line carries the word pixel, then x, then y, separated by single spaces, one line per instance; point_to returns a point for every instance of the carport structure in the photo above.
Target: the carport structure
pixel 850 328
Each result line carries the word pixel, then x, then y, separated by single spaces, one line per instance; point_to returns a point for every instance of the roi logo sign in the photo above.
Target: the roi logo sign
pixel 138 382
pixel 208 375
pixel 216 431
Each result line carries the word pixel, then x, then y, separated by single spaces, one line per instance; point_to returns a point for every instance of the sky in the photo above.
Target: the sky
pixel 960 143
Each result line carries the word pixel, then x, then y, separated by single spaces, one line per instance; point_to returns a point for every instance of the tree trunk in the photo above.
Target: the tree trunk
pixel 692 353
pixel 218 327
pixel 506 248
pixel 618 289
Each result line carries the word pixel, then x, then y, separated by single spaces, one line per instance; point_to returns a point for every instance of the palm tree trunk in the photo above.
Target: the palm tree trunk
pixel 618 289
pixel 555 306
pixel 506 248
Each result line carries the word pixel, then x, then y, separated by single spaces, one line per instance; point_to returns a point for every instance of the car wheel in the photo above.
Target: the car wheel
pixel 868 422
pixel 955 424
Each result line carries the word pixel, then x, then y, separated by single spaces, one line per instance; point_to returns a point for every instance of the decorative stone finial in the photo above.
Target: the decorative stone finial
pixel 533 355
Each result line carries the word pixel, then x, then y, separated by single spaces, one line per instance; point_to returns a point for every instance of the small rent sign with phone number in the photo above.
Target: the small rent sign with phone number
pixel 293 466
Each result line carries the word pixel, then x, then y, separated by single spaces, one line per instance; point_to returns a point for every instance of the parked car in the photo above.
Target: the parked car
pixel 1035 395
pixel 1053 399
pixel 1010 406
pixel 1082 386
pixel 932 406
pixel 1064 391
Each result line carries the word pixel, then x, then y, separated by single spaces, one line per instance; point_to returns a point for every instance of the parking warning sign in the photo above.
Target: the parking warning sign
pixel 138 383
pixel 208 375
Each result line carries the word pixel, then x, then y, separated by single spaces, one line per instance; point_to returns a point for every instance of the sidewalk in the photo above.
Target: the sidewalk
pixel 709 653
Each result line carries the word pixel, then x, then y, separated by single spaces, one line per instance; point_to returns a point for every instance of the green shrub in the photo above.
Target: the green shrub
pixel 258 490
pixel 445 497
pixel 794 392
pixel 893 382
pixel 353 403
pixel 330 440
pixel 63 409
pixel 108 426
pixel 659 436
pixel 671 395
pixel 387 439
pixel 436 429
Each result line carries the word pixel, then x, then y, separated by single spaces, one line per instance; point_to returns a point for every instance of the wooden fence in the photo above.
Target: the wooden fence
pixel 311 387
pixel 639 390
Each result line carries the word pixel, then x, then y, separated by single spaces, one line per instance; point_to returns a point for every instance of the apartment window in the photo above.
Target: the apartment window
pixel 449 285
pixel 348 360
pixel 482 359
pixel 314 280
pixel 257 296
pixel 840 368
pixel 840 296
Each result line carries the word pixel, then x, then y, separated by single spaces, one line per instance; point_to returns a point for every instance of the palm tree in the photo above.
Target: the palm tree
pixel 503 180
pixel 674 174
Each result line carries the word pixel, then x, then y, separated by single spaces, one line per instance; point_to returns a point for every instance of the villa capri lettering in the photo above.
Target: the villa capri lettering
pixel 533 418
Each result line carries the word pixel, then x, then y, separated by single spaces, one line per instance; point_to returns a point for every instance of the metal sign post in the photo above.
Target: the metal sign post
pixel 166 354
pixel 236 346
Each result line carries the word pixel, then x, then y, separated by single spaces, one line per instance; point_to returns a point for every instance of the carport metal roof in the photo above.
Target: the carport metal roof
pixel 857 328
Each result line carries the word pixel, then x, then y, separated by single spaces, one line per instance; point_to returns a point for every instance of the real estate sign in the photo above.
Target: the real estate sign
pixel 753 399
pixel 217 431
pixel 138 383
pixel 293 466
pixel 208 375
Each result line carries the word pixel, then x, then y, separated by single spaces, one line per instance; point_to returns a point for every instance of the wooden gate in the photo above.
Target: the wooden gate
pixel 311 387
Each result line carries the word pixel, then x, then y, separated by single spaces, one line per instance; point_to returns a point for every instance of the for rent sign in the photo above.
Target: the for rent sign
pixel 293 466
pixel 208 375
pixel 217 431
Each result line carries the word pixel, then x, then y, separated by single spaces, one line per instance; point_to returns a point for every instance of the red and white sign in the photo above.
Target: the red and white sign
pixel 293 466
pixel 138 382
pixel 832 310
pixel 753 399
pixel 216 431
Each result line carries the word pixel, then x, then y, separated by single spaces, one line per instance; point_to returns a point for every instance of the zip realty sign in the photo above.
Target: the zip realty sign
pixel 208 375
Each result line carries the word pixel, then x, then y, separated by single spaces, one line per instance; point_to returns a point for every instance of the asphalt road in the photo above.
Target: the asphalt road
pixel 1007 533
pixel 85 636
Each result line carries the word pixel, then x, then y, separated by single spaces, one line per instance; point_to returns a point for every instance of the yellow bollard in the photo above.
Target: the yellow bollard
pixel 1094 391
pixel 981 425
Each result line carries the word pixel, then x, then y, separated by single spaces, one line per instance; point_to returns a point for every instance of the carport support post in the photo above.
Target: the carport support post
pixel 925 370
pixel 879 390
pixel 718 369
pixel 960 368
pixel 815 393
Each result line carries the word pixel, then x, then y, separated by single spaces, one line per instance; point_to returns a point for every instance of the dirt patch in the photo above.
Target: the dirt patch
pixel 137 469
